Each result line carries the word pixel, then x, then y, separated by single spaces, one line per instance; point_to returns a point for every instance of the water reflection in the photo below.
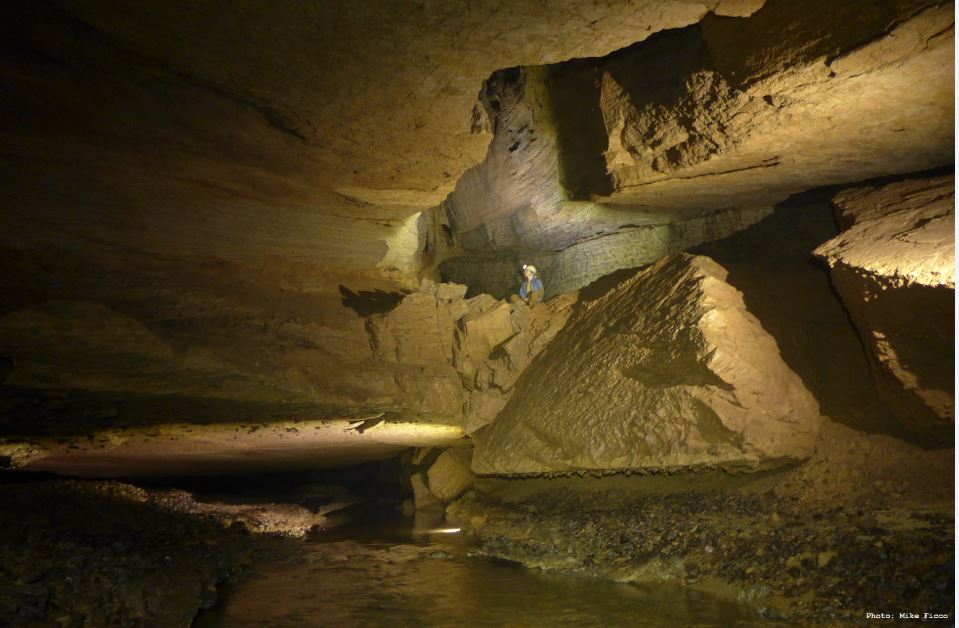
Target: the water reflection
pixel 426 575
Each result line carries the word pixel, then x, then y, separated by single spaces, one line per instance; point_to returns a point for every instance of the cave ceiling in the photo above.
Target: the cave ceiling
pixel 310 135
pixel 713 122
pixel 244 130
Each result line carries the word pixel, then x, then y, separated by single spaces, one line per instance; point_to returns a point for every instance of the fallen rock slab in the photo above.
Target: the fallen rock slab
pixel 667 371
pixel 450 475
pixel 894 268
pixel 417 331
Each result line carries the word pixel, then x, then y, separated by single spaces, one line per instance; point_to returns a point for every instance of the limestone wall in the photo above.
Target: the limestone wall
pixel 723 116
pixel 894 267
pixel 584 262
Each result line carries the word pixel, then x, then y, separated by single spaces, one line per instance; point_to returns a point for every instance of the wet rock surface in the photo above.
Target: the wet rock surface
pixel 108 554
pixel 838 536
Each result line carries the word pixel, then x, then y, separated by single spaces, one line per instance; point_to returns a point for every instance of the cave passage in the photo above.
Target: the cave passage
pixel 263 358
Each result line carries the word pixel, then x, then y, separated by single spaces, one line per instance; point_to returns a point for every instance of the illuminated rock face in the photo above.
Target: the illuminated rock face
pixel 584 262
pixel 181 228
pixel 746 112
pixel 189 197
pixel 666 371
pixel 693 134
pixel 477 347
pixel 310 132
pixel 894 267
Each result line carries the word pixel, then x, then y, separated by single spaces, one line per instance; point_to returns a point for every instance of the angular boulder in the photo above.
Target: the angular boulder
pixel 450 475
pixel 417 331
pixel 480 332
pixel 449 357
pixel 666 371
pixel 894 269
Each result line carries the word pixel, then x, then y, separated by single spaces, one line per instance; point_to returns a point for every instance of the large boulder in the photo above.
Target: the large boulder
pixel 418 331
pixel 666 371
pixel 482 331
pixel 894 268
pixel 450 475
pixel 456 357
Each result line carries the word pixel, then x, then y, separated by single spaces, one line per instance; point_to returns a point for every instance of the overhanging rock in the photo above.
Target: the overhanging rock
pixel 665 372
pixel 894 268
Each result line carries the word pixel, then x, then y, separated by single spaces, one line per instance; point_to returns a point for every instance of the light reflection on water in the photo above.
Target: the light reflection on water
pixel 432 580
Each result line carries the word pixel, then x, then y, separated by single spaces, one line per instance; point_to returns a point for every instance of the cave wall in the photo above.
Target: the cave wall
pixel 790 292
pixel 194 200
pixel 243 131
pixel 894 267
pixel 582 263
pixel 797 95
pixel 191 196
pixel 729 114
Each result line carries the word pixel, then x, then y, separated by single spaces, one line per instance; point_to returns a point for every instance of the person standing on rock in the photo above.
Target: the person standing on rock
pixel 531 290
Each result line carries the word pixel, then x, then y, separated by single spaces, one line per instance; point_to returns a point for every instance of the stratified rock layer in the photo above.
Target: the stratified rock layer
pixel 614 162
pixel 316 139
pixel 739 112
pixel 473 349
pixel 666 371
pixel 894 268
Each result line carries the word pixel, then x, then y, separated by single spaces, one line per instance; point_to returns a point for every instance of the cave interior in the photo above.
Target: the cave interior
pixel 260 275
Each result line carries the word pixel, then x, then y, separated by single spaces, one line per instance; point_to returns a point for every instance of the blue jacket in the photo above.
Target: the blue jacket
pixel 535 285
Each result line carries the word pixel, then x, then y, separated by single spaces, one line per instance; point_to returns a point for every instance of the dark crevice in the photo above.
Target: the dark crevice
pixel 369 302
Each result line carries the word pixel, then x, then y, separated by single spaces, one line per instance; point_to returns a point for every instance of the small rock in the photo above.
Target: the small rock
pixel 753 592
pixel 450 291
pixel 693 573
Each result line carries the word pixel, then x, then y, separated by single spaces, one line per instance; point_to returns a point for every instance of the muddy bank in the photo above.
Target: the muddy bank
pixel 110 554
pixel 867 525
